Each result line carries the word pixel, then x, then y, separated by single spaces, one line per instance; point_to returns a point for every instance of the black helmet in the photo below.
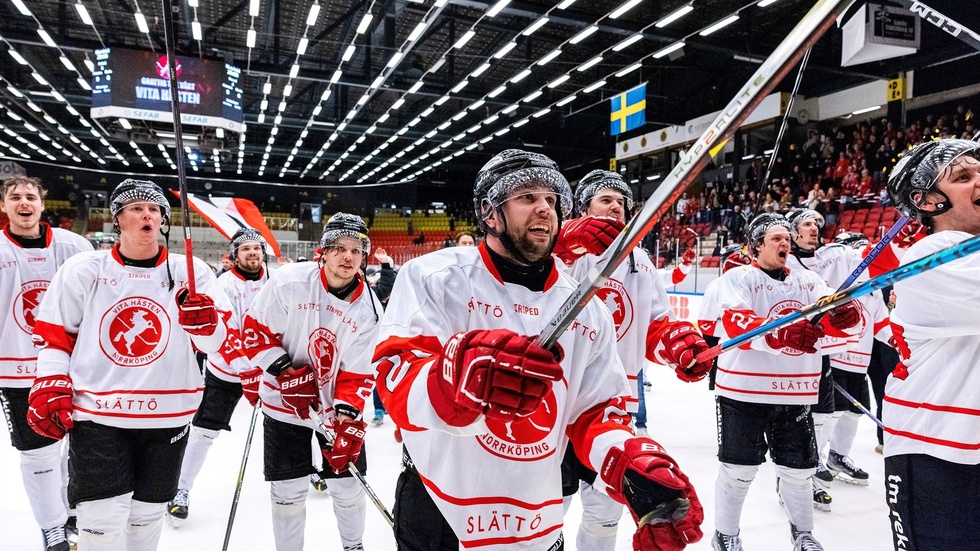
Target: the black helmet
pixel 918 171
pixel 130 190
pixel 345 225
pixel 852 239
pixel 598 180
pixel 757 228
pixel 242 236
pixel 513 169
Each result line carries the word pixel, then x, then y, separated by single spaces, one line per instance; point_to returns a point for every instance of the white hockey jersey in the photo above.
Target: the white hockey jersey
pixel 113 330
pixel 741 300
pixel 295 314
pixel 228 362
pixel 670 277
pixel 636 300
pixel 498 484
pixel 931 404
pixel 24 277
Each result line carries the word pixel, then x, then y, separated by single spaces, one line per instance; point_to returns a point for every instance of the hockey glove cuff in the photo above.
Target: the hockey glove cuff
pixel 300 391
pixel 347 444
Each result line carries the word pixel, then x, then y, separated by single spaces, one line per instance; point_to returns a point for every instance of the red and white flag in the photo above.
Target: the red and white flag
pixel 228 214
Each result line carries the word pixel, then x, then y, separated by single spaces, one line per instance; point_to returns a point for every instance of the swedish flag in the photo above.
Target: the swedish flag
pixel 628 110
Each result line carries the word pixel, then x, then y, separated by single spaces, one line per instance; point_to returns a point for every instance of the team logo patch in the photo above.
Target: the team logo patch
pixel 323 352
pixel 526 439
pixel 27 302
pixel 134 332
pixel 784 308
pixel 613 294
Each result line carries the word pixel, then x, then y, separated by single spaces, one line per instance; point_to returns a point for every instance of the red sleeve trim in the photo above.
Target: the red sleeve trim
pixel 49 335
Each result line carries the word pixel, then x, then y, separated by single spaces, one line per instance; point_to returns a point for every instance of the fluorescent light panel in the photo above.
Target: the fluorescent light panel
pixel 719 25
pixel 674 16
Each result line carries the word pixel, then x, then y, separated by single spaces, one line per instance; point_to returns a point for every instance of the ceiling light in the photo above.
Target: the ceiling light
pixel 551 55
pixel 565 5
pixel 765 3
pixel 416 87
pixel 535 26
pixel 480 70
pixel 628 42
pixel 287 90
pixel 542 112
pixel 501 132
pixel 141 22
pixel 674 16
pixel 566 101
pixel 505 50
pixel 303 44
pixel 19 4
pixel 669 49
pixel 630 4
pixel 866 110
pixel 521 76
pixel 558 81
pixel 264 104
pixel 294 70
pixel 282 107
pixel 336 76
pixel 477 104
pixel 68 64
pixel 499 6
pixel 314 13
pixel 89 64
pixel 464 39
pixel 442 100
pixel 397 104
pixel 365 21
pixel 417 32
pixel 46 38
pixel 83 13
pixel 125 123
pixel 261 118
pixel 40 79
pixel 382 118
pixel 532 96
pixel 462 84
pixel 196 30
pixel 83 83
pixel 593 87
pixel 377 83
pixel 250 38
pixel 394 60
pixel 629 69
pixel 582 35
pixel 719 25
pixel 326 95
pixel 17 57
pixel 497 91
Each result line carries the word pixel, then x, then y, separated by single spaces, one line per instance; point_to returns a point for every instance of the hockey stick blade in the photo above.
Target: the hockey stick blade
pixel 830 302
pixel 806 33
pixel 328 435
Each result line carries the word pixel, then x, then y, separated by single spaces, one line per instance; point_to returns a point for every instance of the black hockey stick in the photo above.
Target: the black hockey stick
pixel 858 404
pixel 806 33
pixel 241 476
pixel 943 22
pixel 170 36
pixel 354 471
pixel 830 302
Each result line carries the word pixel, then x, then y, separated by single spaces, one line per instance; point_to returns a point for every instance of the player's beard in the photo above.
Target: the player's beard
pixel 532 250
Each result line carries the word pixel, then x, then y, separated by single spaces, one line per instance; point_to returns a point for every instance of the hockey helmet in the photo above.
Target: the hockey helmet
pixel 757 228
pixel 243 236
pixel 916 174
pixel 345 225
pixel 852 239
pixel 512 170
pixel 598 180
pixel 144 191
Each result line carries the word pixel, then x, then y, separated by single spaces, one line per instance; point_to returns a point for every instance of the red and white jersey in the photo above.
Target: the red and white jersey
pixel 24 277
pixel 635 300
pixel 669 277
pixel 498 484
pixel 228 362
pixel 931 404
pixel 295 314
pixel 741 300
pixel 113 330
pixel 875 325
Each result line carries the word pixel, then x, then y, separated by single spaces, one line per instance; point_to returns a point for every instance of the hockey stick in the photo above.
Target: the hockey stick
pixel 880 246
pixel 858 405
pixel 943 22
pixel 170 37
pixel 241 476
pixel 806 33
pixel 354 471
pixel 830 302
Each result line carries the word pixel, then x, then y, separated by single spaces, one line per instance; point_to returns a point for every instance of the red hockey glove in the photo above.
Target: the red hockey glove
pixel 251 380
pixel 845 316
pixel 197 314
pixel 801 336
pixel 50 406
pixel 682 344
pixel 589 234
pixel 299 390
pixel 689 256
pixel 347 445
pixel 909 234
pixel 496 372
pixel 660 497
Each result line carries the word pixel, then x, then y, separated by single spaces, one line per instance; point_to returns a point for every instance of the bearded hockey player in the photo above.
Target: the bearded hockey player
pixel 485 413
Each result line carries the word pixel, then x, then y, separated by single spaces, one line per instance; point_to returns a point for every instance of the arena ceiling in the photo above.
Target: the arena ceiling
pixel 363 91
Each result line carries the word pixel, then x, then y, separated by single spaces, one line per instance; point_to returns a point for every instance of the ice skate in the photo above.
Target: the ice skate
pixel 177 509
pixel 55 539
pixel 71 531
pixel 821 499
pixel 722 542
pixel 379 419
pixel 844 469
pixel 804 541
pixel 318 483
pixel 823 476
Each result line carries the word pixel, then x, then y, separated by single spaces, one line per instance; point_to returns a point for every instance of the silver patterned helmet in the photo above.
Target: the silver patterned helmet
pixel 912 184
pixel 345 225
pixel 598 180
pixel 512 170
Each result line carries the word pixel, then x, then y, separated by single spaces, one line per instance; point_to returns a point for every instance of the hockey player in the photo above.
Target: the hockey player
pixel 485 413
pixel 764 389
pixel 932 448
pixel 31 251
pixel 312 329
pixel 116 372
pixel 638 303
pixel 228 373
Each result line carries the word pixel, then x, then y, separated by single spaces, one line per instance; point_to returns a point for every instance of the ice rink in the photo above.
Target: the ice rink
pixel 681 417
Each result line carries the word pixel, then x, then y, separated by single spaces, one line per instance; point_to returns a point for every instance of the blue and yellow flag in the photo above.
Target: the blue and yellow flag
pixel 628 110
